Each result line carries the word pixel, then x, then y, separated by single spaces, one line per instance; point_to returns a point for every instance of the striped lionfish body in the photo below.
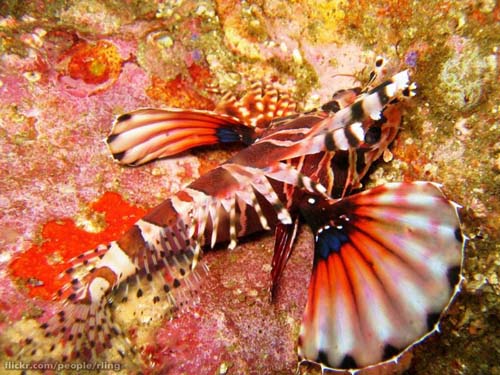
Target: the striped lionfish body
pixel 387 260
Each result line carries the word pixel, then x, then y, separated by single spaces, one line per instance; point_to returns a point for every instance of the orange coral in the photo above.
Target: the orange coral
pixel 94 63
pixel 63 240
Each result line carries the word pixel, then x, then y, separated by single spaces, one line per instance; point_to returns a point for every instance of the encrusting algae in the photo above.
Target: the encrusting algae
pixel 66 70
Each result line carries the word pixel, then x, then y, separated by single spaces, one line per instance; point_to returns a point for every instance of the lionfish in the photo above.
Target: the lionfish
pixel 387 261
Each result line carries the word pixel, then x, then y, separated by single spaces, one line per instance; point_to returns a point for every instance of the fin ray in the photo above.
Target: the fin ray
pixel 382 260
pixel 147 134
pixel 284 239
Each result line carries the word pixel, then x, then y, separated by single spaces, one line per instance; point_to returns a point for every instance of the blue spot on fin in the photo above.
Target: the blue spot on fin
pixel 227 135
pixel 330 241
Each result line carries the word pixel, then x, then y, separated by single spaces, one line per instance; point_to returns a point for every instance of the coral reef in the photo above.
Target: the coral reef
pixel 68 67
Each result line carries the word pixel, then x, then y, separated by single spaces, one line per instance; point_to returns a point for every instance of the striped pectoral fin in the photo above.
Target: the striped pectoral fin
pixel 284 239
pixel 387 264
pixel 148 134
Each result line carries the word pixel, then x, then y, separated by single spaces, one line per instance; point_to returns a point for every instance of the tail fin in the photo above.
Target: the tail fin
pixel 147 134
pixel 83 328
pixel 387 264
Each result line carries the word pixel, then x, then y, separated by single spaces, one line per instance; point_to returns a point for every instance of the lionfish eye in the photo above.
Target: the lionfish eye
pixel 332 106
pixel 373 135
